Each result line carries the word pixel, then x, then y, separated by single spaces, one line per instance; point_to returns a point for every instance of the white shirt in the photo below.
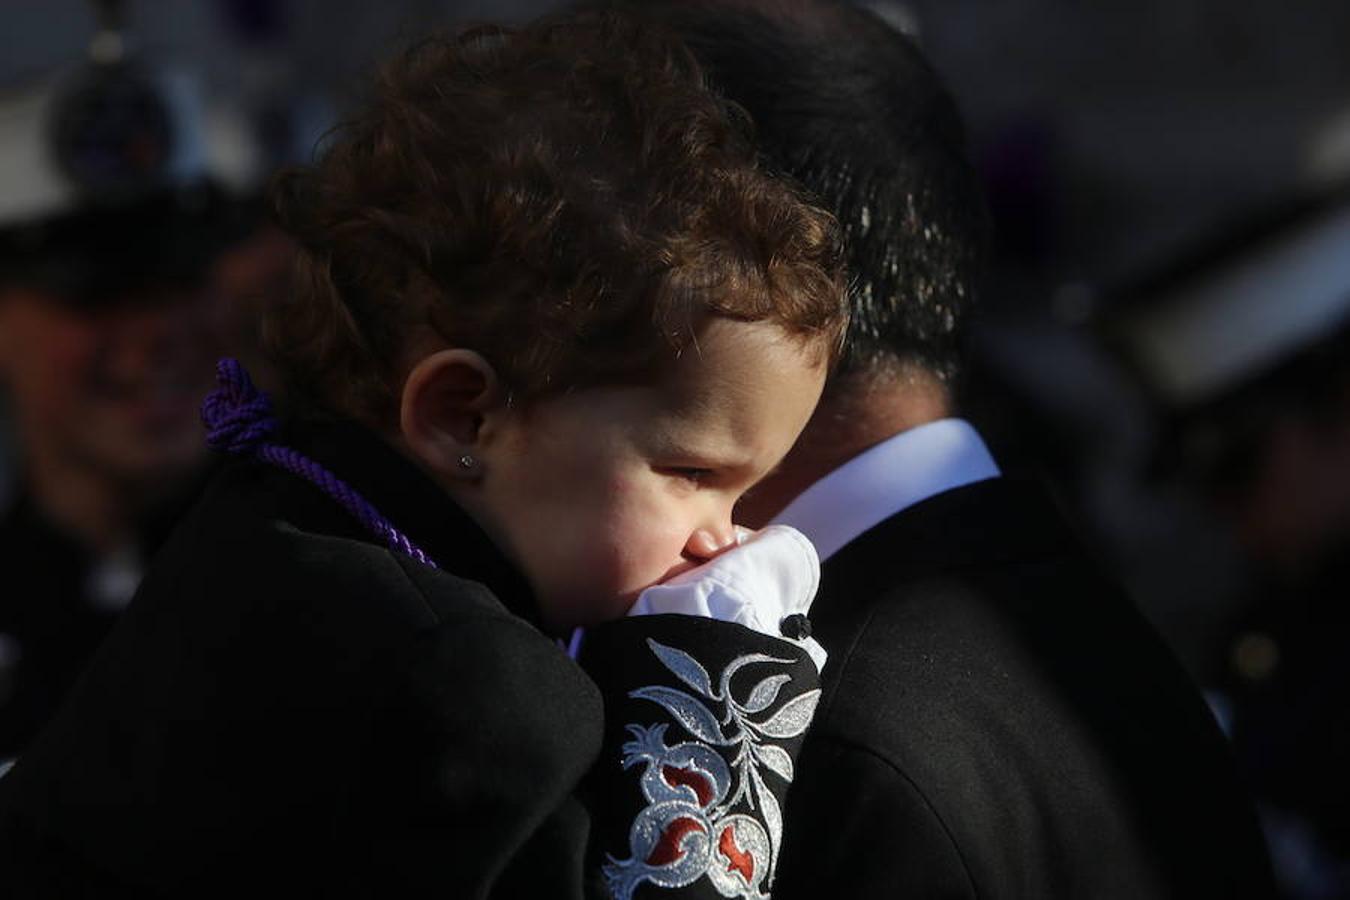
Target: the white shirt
pixel 881 481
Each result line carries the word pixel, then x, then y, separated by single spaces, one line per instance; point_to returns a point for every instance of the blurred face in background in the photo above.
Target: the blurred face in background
pixel 113 390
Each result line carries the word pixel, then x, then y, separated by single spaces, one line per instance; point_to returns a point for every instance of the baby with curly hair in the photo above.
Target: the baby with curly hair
pixel 550 321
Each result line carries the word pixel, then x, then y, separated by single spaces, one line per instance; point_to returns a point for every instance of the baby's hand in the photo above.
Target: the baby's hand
pixel 766 582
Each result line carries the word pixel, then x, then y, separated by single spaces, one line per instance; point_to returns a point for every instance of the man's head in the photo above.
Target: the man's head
pixel 848 107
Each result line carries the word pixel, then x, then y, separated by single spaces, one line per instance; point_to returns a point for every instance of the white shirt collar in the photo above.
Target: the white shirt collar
pixel 881 481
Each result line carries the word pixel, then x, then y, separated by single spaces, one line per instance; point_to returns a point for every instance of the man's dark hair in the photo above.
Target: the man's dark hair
pixel 847 106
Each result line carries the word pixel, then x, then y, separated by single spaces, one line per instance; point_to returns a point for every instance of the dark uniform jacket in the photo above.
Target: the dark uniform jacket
pixel 288 708
pixel 48 626
pixel 999 722
pixel 52 617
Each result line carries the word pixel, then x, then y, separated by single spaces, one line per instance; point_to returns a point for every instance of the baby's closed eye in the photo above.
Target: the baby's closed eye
pixel 692 474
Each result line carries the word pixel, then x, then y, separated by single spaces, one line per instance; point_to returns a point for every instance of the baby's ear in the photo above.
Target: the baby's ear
pixel 449 401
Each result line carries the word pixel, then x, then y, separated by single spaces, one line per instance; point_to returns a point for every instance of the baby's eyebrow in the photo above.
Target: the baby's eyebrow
pixel 724 456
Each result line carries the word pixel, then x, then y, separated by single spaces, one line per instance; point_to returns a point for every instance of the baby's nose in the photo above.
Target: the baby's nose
pixel 705 543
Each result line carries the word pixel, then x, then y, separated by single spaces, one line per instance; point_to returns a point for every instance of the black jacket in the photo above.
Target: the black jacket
pixel 290 709
pixel 999 722
pixel 52 618
pixel 48 626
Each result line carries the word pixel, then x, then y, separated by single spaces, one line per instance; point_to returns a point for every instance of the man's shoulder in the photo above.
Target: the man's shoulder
pixel 928 654
pixel 1011 684
pixel 978 609
pixel 949 564
pixel 1007 519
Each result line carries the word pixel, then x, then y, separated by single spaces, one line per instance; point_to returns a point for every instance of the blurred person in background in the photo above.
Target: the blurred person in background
pixel 1288 675
pixel 1244 348
pixel 998 720
pixel 111 228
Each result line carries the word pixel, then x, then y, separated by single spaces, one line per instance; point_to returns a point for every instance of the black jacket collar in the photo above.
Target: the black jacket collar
pixel 413 502
pixel 988 522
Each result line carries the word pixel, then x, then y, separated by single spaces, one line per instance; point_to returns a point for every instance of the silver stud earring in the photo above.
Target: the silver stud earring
pixel 467 462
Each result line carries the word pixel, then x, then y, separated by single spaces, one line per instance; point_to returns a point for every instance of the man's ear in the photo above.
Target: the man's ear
pixel 448 407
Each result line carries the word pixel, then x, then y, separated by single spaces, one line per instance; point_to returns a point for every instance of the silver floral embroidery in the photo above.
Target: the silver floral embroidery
pixel 704 817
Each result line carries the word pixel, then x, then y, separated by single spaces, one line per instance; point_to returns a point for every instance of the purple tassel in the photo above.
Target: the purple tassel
pixel 239 420
pixel 238 416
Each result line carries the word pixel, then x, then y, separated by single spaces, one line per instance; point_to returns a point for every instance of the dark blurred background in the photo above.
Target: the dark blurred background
pixel 1163 331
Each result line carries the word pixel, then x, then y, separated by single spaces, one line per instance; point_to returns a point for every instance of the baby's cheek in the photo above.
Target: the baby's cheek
pixel 609 577
pixel 633 541
pixel 589 566
pixel 651 553
pixel 611 558
pixel 622 544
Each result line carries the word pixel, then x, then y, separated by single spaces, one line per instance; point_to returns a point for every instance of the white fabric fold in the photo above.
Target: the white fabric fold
pixel 773 574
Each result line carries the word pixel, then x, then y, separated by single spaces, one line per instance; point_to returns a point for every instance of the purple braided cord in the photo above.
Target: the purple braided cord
pixel 238 419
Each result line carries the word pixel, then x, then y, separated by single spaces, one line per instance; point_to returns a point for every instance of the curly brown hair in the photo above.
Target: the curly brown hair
pixel 569 199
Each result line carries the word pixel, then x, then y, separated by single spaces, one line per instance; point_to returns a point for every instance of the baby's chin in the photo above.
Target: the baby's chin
pixel 587 608
pixel 625 599
pixel 560 616
pixel 679 568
